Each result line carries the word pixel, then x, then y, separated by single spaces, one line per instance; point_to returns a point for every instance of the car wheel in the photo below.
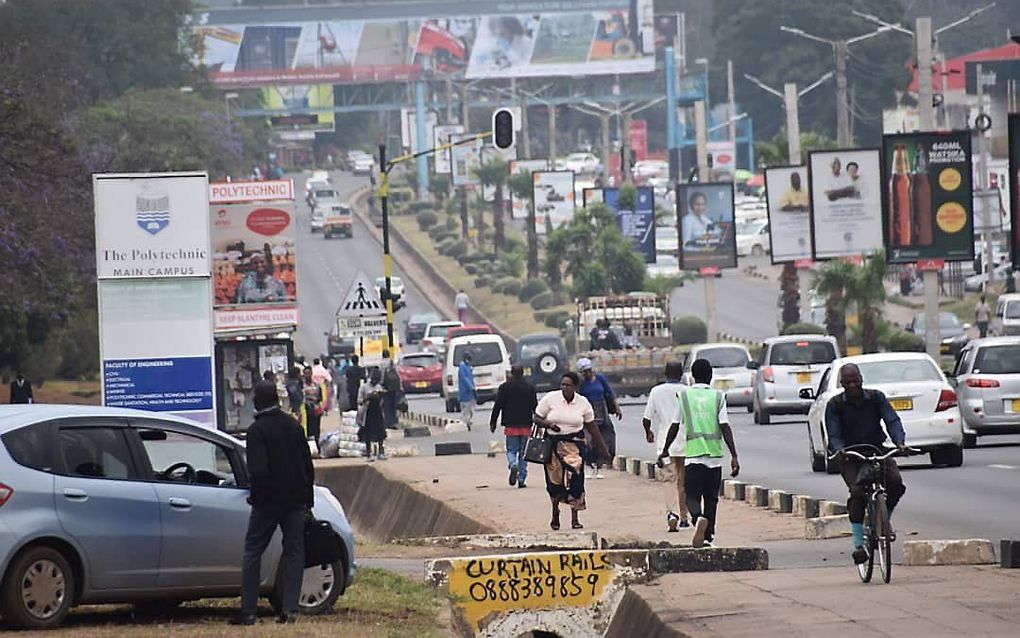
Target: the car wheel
pixel 39 589
pixel 969 441
pixel 321 585
pixel 754 411
pixel 548 363
pixel 818 462
pixel 763 417
pixel 950 456
pixel 832 465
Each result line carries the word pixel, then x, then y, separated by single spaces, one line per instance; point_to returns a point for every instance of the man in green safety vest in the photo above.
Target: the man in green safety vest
pixel 702 411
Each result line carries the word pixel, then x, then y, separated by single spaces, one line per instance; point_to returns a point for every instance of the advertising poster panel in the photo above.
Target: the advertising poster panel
pixel 636 222
pixel 465 160
pixel 929 208
pixel 1014 186
pixel 706 227
pixel 300 96
pixel 846 202
pixel 441 135
pixel 465 39
pixel 254 265
pixel 789 208
pixel 553 197
pixel 519 206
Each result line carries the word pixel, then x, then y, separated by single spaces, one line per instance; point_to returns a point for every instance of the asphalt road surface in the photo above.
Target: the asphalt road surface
pixel 744 307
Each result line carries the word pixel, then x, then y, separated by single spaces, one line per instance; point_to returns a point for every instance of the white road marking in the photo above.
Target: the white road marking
pixel 1003 467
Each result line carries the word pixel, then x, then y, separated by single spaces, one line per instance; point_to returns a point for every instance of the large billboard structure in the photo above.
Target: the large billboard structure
pixel 386 43
pixel 846 202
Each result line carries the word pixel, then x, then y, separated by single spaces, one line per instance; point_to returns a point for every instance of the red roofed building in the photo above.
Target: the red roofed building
pixel 955 67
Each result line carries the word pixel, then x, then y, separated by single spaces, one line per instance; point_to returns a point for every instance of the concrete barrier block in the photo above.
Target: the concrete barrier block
pixel 1009 553
pixel 453 447
pixel 826 527
pixel 805 506
pixel 757 495
pixel 786 503
pixel 733 490
pixel 620 463
pixel 455 427
pixel 707 559
pixel 417 431
pixel 634 467
pixel 831 508
pixel 775 500
pixel 649 469
pixel 970 551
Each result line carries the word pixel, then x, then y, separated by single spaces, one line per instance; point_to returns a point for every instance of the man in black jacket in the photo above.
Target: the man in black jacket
pixel 281 475
pixel 516 400
pixel 21 390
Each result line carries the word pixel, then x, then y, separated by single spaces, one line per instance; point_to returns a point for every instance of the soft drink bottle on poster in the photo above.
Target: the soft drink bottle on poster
pixel 900 213
pixel 921 200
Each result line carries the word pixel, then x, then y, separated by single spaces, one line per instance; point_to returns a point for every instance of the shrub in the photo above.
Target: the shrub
pixel 436 232
pixel 471 269
pixel 512 288
pixel 420 207
pixel 542 300
pixel 903 341
pixel 514 245
pixel 501 284
pixel 444 246
pixel 689 329
pixel 481 282
pixel 556 318
pixel 531 288
pixel 427 219
pixel 458 249
pixel 804 329
pixel 445 234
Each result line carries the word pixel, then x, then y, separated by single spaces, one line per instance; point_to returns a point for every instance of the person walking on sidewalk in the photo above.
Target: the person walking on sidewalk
pixel 466 390
pixel 702 412
pixel 660 410
pixel 981 315
pixel 354 374
pixel 462 303
pixel 569 415
pixel 370 398
pixel 595 387
pixel 391 383
pixel 281 475
pixel 315 397
pixel 855 417
pixel 321 375
pixel 516 401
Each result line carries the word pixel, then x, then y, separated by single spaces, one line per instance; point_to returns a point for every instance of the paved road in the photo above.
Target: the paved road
pixel 745 307
pixel 327 267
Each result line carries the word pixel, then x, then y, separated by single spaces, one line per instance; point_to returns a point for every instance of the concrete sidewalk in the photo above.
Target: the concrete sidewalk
pixel 933 602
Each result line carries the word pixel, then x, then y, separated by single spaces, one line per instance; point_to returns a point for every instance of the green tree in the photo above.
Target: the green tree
pixel 439 188
pixel 598 258
pixel 522 187
pixel 866 290
pixel 789 287
pixel 776 152
pixel 832 280
pixel 495 173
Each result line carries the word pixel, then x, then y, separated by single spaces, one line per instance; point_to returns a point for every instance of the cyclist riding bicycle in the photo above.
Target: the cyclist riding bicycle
pixel 855 418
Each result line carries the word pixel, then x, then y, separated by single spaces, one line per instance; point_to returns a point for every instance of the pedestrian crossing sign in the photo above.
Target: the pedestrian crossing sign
pixel 361 299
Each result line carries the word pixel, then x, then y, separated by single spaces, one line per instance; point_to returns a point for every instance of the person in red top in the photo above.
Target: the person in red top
pixel 516 400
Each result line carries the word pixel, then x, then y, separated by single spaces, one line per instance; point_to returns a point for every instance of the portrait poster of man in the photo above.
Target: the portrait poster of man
pixel 789 207
pixel 846 202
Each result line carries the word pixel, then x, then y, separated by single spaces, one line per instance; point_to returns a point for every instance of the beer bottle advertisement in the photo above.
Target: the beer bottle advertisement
pixel 927 197
pixel 1014 186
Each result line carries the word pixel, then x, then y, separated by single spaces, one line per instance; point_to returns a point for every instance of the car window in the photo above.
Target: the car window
pixel 182 458
pixel 326 193
pixel 998 360
pixel 419 361
pixel 964 362
pixel 824 383
pixel 899 371
pixel 440 330
pixel 535 349
pixel 482 354
pixel 726 357
pixel 31 446
pixel 793 353
pixel 96 452
pixel 1012 310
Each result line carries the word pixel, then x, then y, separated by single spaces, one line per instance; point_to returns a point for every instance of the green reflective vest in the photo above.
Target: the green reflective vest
pixel 701 418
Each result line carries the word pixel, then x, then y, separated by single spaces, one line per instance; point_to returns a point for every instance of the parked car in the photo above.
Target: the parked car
pixel 490 363
pixel 414 327
pixel 729 371
pixel 363 165
pixel 953 334
pixel 987 382
pixel 581 163
pixel 107 505
pixel 753 238
pixel 976 283
pixel 435 336
pixel 544 357
pixel 420 372
pixel 466 330
pixel 1006 320
pixel 787 365
pixel 649 168
pixel 918 391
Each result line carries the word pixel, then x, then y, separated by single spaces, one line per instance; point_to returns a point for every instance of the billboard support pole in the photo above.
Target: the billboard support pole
pixel 384 195
pixel 702 141
pixel 423 160
pixel 671 153
pixel 926 115
pixel 552 134
pixel 983 183
pixel 709 280
pixel 790 99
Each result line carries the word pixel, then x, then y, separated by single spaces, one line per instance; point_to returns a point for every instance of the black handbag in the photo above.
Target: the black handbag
pixel 538 448
pixel 323 546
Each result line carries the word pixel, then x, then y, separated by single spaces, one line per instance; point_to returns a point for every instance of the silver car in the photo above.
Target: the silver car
pixel 987 380
pixel 729 371
pixel 787 365
pixel 105 505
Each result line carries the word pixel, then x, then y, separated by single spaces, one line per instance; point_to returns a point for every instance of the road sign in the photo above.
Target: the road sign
pixel 357 327
pixel 361 299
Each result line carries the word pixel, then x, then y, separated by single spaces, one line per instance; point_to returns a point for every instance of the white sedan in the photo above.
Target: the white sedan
pixel 917 390
pixel 582 163
pixel 753 238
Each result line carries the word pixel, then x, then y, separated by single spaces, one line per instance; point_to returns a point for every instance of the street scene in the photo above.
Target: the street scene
pixel 603 319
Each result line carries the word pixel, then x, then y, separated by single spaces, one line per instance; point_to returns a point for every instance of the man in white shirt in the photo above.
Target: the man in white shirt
pixel 702 410
pixel 659 412
pixel 462 302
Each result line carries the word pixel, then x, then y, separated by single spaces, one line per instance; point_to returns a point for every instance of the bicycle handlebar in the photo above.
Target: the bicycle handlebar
pixel 893 452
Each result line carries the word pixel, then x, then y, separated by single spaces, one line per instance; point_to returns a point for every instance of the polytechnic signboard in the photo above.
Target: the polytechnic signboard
pixel 707 235
pixel 928 197
pixel 553 198
pixel 846 202
pixel 636 222
pixel 152 225
pixel 789 208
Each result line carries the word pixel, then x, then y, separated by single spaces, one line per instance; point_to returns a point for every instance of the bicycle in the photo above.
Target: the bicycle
pixel 876 512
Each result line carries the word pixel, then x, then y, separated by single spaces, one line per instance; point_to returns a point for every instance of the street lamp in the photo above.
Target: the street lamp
pixel 704 61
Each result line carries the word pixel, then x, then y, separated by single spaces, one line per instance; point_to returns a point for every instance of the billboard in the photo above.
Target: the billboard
pixel 789 211
pixel 846 202
pixel 409 129
pixel 465 159
pixel 637 223
pixel 929 208
pixel 553 197
pixel 707 235
pixel 441 135
pixel 299 99
pixel 519 206
pixel 310 45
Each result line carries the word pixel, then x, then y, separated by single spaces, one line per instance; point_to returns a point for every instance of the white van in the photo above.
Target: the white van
pixel 490 362
pixel 1006 320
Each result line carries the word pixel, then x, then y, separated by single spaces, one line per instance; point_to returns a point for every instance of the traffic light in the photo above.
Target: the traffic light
pixel 503 128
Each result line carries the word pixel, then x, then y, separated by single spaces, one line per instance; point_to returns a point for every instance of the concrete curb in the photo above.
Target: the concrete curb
pixel 1009 553
pixel 970 551
pixel 559 540
pixel 725 336
pixel 826 527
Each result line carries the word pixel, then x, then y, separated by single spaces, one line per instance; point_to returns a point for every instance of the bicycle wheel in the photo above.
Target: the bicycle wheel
pixel 865 569
pixel 881 525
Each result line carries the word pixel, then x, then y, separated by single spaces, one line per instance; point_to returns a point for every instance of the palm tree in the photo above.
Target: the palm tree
pixel 522 187
pixel 866 289
pixel 832 280
pixel 495 173
pixel 789 286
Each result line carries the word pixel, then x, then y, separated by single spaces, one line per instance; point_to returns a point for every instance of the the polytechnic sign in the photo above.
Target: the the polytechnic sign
pixel 263 191
pixel 152 225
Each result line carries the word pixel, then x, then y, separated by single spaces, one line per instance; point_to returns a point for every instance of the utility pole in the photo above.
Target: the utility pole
pixel 926 115
pixel 606 151
pixel 983 182
pixel 672 148
pixel 625 167
pixel 525 131
pixel 708 274
pixel 552 136
pixel 465 108
pixel 733 103
pixel 449 100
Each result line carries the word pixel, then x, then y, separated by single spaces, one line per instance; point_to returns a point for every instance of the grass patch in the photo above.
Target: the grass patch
pixel 380 604
pixel 510 314
pixel 77 392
